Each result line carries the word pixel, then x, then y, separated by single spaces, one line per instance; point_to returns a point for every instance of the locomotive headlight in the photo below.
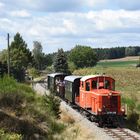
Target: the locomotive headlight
pixel 99 109
pixel 110 93
pixel 123 110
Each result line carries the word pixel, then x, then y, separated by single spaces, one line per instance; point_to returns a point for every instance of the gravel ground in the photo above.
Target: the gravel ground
pixel 90 128
pixel 94 132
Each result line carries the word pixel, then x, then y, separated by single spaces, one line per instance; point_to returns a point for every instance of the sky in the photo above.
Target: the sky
pixel 66 23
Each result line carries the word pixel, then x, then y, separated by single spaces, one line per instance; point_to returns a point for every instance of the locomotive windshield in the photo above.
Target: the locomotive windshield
pixel 103 82
pixel 87 86
pixel 94 84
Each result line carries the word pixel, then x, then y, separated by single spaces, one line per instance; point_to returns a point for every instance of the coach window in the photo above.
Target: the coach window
pixel 94 84
pixel 87 86
pixel 70 87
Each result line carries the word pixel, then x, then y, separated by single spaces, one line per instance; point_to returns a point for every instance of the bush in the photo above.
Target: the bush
pixel 83 56
pixel 138 107
pixel 56 127
pixel 53 105
pixel 133 121
pixel 72 66
pixel 131 103
pixel 132 116
pixel 9 136
pixel 33 72
pixel 13 94
pixel 49 69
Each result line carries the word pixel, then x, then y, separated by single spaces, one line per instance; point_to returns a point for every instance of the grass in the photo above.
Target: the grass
pixel 9 136
pixel 117 63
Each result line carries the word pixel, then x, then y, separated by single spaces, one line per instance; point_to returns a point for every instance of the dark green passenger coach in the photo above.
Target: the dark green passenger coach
pixel 54 79
pixel 72 84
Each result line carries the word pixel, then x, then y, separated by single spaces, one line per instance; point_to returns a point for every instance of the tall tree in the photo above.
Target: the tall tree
pixel 83 56
pixel 3 68
pixel 20 56
pixel 60 62
pixel 38 55
pixel 3 56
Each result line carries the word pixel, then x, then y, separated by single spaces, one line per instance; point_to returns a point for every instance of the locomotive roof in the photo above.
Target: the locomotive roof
pixel 71 78
pixel 84 78
pixel 56 74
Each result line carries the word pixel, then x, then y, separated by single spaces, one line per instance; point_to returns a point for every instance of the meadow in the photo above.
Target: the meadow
pixel 117 63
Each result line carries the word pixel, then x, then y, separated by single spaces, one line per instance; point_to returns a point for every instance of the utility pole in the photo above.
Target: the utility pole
pixel 8 54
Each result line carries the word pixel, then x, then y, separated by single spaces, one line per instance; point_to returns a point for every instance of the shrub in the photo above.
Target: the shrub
pixel 131 103
pixel 53 105
pixel 9 136
pixel 33 72
pixel 72 66
pixel 56 127
pixel 133 121
pixel 13 94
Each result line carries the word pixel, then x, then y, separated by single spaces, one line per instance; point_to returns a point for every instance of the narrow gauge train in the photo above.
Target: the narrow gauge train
pixel 95 94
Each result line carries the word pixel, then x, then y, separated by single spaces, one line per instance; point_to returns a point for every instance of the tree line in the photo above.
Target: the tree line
pixel 80 53
pixel 117 52
pixel 22 59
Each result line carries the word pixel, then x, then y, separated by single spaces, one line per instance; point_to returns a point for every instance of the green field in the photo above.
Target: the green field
pixel 131 63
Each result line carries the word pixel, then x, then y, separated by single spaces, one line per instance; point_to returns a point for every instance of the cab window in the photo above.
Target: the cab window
pixel 113 85
pixel 94 84
pixel 87 86
pixel 107 84
pixel 82 84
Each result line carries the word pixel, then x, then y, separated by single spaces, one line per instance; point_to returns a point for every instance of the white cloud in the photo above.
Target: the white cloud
pixel 66 29
pixel 95 3
pixel 20 13
pixel 2 5
pixel 70 26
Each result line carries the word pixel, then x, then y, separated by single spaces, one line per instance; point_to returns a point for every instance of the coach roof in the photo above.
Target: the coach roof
pixel 56 74
pixel 84 78
pixel 71 78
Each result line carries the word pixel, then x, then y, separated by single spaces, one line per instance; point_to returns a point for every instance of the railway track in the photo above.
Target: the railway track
pixel 115 133
pixel 120 134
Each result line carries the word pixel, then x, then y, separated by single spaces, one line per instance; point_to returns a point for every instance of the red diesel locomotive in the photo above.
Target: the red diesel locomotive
pixel 96 95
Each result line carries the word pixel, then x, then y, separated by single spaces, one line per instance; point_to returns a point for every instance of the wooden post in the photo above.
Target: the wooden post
pixel 8 54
